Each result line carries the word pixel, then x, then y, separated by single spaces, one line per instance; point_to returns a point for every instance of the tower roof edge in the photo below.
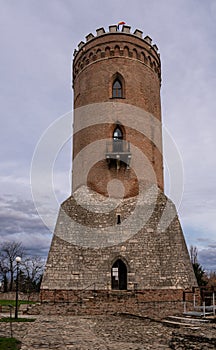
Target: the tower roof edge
pixel 114 29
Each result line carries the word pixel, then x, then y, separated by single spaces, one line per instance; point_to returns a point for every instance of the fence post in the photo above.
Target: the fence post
pixel 213 301
pixel 204 309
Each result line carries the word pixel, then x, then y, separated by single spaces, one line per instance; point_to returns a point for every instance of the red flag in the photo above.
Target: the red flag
pixel 120 23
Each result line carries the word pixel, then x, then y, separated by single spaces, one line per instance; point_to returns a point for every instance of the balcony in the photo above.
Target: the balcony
pixel 117 152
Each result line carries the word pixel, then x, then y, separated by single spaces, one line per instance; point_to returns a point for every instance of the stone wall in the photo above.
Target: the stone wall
pixel 87 242
pixel 22 296
pixel 151 303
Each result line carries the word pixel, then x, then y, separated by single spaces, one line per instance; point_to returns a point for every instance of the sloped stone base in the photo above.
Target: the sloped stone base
pixel 88 240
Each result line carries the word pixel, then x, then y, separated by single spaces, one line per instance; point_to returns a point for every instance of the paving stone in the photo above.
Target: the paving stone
pixel 107 333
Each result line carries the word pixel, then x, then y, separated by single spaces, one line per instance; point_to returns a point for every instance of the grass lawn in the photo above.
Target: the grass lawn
pixel 9 344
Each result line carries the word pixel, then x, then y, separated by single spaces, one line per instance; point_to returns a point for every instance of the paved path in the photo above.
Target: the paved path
pixel 107 333
pixel 95 333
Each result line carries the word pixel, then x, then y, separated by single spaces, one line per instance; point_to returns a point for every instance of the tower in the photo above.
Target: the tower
pixel 118 232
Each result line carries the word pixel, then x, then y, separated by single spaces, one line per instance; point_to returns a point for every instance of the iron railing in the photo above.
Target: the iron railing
pixel 118 146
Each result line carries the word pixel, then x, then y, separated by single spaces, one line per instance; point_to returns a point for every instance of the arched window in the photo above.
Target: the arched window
pixel 117 134
pixel 117 89
pixel 117 139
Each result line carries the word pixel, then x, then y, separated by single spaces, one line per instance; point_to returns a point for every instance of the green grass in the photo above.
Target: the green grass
pixel 19 319
pixel 9 344
pixel 12 302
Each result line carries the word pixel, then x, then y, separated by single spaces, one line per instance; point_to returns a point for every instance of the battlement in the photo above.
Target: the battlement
pixel 116 43
pixel 113 29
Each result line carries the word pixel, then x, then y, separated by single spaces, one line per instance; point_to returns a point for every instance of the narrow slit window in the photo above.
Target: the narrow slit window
pixel 117 89
pixel 118 219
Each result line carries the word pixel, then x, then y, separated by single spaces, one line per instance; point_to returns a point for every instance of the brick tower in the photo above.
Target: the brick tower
pixel 118 234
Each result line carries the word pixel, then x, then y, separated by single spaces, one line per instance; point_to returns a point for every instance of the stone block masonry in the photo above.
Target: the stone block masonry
pixel 82 259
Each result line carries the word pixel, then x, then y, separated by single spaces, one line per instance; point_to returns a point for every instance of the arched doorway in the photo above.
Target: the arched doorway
pixel 119 275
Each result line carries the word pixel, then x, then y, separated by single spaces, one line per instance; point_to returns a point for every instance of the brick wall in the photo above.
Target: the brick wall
pixel 151 303
pixel 94 68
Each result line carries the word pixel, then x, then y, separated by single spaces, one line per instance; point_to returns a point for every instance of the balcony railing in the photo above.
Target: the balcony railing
pixel 119 151
pixel 118 146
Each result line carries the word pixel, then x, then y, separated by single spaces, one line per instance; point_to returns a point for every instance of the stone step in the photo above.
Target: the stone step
pixel 207 308
pixel 5 308
pixel 85 300
pixel 197 314
pixel 176 324
pixel 187 319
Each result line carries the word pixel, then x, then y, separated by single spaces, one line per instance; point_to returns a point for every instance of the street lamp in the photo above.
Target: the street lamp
pixel 18 261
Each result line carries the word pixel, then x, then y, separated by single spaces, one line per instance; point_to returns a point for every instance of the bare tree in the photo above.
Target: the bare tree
pixel 32 269
pixel 3 272
pixel 193 254
pixel 212 279
pixel 8 253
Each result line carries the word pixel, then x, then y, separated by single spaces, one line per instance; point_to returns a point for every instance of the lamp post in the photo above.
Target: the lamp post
pixel 18 261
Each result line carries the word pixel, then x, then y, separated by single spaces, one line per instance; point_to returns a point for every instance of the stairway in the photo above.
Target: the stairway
pixel 187 321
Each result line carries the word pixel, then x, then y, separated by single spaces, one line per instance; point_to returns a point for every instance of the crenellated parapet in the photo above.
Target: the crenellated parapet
pixel 115 43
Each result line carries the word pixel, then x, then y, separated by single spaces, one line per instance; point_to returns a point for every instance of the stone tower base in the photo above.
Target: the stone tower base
pixel 124 252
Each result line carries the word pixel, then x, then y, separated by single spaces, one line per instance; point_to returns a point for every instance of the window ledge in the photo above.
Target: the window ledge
pixel 117 98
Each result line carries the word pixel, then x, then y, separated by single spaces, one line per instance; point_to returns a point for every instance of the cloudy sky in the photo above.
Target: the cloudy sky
pixel 37 42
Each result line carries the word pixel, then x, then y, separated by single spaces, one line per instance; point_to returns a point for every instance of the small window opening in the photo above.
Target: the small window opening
pixel 117 89
pixel 118 219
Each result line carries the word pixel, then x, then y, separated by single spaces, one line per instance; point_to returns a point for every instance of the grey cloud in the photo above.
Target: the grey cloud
pixel 19 221
pixel 213 246
pixel 207 258
pixel 36 49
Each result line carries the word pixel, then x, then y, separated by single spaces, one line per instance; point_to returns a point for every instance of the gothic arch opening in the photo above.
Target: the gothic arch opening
pixel 117 139
pixel 119 275
pixel 117 89
pixel 118 86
